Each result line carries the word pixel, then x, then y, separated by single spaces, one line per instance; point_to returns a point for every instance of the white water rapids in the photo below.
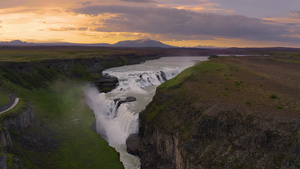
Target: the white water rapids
pixel 115 123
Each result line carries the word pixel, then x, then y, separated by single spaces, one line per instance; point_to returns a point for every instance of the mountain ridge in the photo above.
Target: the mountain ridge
pixel 127 43
pixel 141 43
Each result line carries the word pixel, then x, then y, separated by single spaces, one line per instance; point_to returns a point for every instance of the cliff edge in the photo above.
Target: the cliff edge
pixel 230 112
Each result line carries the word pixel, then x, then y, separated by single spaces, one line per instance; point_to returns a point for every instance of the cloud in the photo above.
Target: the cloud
pixel 195 5
pixel 259 8
pixel 183 22
pixel 69 29
pixel 295 14
pixel 44 41
pixel 85 3
pixel 11 3
pixel 139 1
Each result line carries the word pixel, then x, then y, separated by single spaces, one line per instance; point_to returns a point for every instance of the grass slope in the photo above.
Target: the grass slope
pixel 62 110
pixel 251 83
pixel 4 98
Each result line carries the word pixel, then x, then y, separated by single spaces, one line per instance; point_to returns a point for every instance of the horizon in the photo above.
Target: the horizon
pixel 111 45
pixel 189 23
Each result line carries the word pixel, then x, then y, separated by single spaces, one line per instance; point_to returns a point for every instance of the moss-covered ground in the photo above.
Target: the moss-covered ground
pixel 4 97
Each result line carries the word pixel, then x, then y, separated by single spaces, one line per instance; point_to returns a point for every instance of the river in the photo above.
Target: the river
pixel 115 122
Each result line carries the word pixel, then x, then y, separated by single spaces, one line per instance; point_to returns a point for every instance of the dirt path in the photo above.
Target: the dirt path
pixel 13 106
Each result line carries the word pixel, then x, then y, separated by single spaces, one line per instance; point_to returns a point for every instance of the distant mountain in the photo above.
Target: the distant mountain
pixel 16 43
pixel 208 47
pixel 141 43
pixel 74 44
pixel 129 43
pixel 23 43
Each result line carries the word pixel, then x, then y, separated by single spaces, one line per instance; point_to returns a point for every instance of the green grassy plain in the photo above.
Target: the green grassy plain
pixel 259 83
pixel 29 54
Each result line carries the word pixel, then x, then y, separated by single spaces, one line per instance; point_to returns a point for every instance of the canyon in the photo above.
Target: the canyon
pixel 229 112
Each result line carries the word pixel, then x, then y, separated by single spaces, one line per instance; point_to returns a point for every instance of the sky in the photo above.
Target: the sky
pixel 189 23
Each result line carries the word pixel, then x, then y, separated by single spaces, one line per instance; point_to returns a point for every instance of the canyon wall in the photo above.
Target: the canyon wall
pixel 219 115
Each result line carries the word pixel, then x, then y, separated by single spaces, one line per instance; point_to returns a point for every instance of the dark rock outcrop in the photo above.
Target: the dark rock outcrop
pixel 3 162
pixel 120 101
pixel 133 144
pixel 5 138
pixel 20 120
pixel 105 82
pixel 163 75
pixel 17 163
pixel 127 99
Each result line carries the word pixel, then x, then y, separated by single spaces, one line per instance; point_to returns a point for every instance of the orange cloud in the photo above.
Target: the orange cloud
pixel 69 29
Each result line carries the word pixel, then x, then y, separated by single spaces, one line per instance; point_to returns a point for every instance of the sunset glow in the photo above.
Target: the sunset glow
pixel 181 23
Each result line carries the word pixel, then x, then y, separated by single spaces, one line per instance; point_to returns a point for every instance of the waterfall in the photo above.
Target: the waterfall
pixel 116 120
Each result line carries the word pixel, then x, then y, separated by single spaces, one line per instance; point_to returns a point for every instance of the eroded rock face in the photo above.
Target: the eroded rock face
pixel 185 137
pixel 20 120
pixel 106 82
pixel 3 162
pixel 24 119
pixel 133 144
pixel 18 129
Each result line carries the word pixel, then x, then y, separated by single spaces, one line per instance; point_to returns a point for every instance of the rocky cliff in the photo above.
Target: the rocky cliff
pixel 96 64
pixel 222 114
pixel 40 74
pixel 17 120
